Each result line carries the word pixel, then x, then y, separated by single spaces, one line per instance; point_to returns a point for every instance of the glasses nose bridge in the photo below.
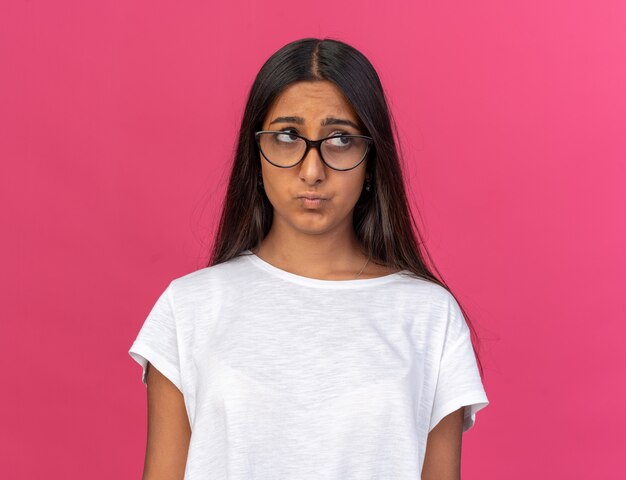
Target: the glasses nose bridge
pixel 313 145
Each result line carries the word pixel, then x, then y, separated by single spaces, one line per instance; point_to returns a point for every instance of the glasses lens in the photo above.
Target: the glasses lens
pixel 282 149
pixel 285 150
pixel 344 151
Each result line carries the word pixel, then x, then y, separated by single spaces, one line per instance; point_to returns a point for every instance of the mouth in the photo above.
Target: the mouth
pixel 312 202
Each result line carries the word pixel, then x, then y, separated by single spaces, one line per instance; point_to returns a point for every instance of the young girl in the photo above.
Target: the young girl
pixel 316 344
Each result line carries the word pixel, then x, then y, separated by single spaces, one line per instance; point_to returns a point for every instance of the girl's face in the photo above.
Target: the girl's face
pixel 309 104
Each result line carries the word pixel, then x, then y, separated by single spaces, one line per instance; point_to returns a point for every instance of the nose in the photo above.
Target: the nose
pixel 312 168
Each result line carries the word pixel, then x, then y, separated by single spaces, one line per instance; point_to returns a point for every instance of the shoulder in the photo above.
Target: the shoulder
pixel 410 291
pixel 444 305
pixel 434 303
pixel 214 278
pixel 440 296
pixel 412 284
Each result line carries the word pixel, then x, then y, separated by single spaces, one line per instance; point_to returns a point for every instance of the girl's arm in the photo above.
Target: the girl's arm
pixel 443 449
pixel 168 429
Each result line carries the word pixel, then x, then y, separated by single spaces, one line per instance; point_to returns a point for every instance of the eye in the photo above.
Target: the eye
pixel 339 139
pixel 285 137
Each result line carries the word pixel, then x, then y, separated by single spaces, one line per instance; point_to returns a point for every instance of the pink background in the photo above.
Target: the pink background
pixel 117 123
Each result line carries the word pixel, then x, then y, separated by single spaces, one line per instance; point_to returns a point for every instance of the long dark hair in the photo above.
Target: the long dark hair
pixel 382 219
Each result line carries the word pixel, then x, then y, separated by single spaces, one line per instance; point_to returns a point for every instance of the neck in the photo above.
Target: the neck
pixel 332 255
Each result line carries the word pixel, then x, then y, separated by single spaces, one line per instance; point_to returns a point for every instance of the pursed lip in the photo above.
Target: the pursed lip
pixel 312 196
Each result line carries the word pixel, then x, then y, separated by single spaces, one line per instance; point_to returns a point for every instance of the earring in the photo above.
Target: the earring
pixel 368 186
pixel 260 181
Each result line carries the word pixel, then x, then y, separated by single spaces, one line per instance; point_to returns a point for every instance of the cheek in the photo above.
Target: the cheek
pixel 352 189
pixel 346 194
pixel 276 189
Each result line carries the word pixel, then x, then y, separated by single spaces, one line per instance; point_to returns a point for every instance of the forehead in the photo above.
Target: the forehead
pixel 311 100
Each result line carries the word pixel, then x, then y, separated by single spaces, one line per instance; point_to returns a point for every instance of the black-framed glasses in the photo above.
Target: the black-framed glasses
pixel 285 149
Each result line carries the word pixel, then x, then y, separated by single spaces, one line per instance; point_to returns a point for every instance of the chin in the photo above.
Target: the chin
pixel 312 223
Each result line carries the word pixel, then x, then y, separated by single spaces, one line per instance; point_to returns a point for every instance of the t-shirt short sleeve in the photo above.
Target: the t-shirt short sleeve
pixel 458 383
pixel 157 340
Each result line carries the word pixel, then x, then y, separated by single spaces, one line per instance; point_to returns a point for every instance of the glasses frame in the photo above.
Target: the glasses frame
pixel 316 144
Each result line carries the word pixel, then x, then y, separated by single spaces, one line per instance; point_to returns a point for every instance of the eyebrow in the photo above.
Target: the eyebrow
pixel 326 121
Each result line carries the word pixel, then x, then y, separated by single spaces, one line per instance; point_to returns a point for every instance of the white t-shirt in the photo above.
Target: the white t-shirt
pixel 290 377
